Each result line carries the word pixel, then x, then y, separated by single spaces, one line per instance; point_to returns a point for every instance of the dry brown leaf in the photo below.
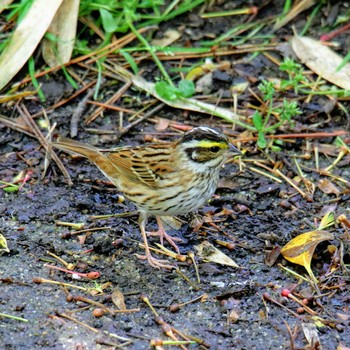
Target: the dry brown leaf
pixel 321 60
pixel 118 299
pixel 272 256
pixel 162 124
pixel 233 316
pixel 209 253
pixel 326 186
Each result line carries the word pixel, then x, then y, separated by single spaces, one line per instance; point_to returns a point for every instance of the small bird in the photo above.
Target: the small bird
pixel 162 179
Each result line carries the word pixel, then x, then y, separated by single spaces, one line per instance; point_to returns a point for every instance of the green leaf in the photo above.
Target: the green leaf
pixel 31 69
pixel 11 189
pixel 166 91
pixel 261 140
pixel 108 21
pixel 276 149
pixel 131 61
pixel 266 87
pixel 187 88
pixel 290 66
pixel 257 121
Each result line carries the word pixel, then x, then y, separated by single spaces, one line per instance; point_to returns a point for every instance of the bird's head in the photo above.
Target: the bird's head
pixel 206 147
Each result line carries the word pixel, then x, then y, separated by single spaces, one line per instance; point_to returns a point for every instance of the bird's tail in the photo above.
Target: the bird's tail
pixel 94 155
pixel 76 147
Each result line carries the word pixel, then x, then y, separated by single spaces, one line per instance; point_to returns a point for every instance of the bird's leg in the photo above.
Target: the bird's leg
pixel 162 234
pixel 151 260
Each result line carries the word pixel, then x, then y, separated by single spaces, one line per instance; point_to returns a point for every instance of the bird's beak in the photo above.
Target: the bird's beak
pixel 234 151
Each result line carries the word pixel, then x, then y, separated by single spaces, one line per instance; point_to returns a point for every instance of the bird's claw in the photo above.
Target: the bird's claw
pixel 156 262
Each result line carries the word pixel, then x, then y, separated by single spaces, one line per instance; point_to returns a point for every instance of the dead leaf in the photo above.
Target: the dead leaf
pixel 343 317
pixel 205 83
pixel 207 67
pixel 299 7
pixel 272 256
pixel 327 187
pixel 26 38
pixel 233 316
pixel 322 60
pixel 301 248
pixel 190 104
pixel 342 347
pixel 170 36
pixel 63 27
pixel 344 220
pixel 209 253
pixel 3 244
pixel 162 124
pixel 118 299
pixel 311 335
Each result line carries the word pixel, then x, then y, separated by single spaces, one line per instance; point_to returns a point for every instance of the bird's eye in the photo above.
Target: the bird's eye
pixel 215 149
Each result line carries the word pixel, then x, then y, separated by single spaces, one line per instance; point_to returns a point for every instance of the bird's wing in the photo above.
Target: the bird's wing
pixel 148 165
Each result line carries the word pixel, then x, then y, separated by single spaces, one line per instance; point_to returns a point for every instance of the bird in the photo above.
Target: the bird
pixel 162 179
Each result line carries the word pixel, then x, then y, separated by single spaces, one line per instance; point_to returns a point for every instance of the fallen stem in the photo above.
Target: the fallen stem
pixel 13 317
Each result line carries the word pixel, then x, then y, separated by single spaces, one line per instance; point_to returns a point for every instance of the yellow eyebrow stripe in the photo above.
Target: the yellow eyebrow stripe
pixel 208 144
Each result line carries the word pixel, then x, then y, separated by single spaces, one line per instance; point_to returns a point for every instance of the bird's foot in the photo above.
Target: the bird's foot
pixel 156 262
pixel 163 235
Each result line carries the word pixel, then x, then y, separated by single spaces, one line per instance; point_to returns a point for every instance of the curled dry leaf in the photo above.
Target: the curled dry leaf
pixel 301 248
pixel 321 60
pixel 209 253
pixel 118 299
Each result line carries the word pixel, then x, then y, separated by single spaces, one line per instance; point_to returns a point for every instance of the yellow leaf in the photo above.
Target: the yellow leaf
pixel 327 220
pixel 3 244
pixel 301 248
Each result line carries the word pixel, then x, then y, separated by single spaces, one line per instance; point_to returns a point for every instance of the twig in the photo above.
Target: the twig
pixel 110 101
pixel 64 315
pixel 78 113
pixel 41 138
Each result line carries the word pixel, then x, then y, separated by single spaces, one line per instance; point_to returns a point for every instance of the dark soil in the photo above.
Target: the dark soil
pixel 261 215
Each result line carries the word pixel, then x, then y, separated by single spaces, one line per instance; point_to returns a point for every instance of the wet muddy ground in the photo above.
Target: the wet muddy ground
pixel 253 212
